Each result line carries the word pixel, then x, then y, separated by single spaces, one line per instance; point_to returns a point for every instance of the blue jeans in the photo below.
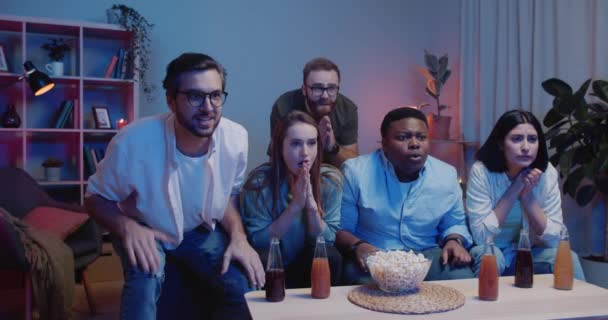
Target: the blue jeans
pixel 202 251
pixel 543 258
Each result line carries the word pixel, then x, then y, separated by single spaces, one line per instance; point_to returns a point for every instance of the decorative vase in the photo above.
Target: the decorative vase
pixel 52 173
pixel 10 118
pixel 439 127
pixel 55 68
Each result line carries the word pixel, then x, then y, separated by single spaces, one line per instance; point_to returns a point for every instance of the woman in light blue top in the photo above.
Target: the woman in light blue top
pixel 513 186
pixel 295 199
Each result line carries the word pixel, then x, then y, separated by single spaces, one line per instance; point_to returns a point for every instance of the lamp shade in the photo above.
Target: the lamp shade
pixel 39 82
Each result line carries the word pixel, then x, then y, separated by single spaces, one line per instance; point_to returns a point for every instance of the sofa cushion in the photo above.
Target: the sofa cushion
pixel 58 222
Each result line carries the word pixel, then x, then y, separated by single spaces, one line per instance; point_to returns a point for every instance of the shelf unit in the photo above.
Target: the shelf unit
pixel 93 46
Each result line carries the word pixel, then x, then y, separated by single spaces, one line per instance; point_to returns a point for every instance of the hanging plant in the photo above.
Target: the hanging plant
pixel 139 47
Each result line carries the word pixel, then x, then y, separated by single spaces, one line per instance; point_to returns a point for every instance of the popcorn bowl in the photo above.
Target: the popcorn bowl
pixel 397 271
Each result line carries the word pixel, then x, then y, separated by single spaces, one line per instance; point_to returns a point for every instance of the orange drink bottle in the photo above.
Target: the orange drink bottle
pixel 320 276
pixel 563 273
pixel 488 273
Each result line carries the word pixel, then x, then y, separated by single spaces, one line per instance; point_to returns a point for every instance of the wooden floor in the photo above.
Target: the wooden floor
pixel 105 278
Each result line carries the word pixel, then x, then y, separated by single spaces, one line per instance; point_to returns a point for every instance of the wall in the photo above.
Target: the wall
pixel 265 44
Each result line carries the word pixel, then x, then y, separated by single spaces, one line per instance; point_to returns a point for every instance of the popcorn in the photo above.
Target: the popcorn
pixel 397 270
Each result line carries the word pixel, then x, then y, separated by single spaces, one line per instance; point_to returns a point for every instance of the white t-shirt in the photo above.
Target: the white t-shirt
pixel 191 171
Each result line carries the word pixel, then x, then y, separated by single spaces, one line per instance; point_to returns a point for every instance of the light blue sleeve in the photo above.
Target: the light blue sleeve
pixel 454 221
pixel 349 211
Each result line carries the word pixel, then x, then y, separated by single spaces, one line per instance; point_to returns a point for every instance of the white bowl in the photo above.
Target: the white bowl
pixel 397 270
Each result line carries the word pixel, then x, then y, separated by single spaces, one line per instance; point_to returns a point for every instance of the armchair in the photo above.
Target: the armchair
pixel 19 194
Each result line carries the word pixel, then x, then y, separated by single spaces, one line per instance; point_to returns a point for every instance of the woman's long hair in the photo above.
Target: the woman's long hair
pixel 278 170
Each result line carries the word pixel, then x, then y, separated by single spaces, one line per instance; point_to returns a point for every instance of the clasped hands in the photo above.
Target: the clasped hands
pixel 302 190
pixel 526 180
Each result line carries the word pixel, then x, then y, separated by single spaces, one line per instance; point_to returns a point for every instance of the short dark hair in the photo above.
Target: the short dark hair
pixel 190 62
pixel 318 64
pixel 491 152
pixel 398 114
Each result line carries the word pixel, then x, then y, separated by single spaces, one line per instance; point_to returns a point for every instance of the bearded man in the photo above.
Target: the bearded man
pixel 335 113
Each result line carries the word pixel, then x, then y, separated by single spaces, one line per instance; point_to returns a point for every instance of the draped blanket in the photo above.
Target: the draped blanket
pixel 51 267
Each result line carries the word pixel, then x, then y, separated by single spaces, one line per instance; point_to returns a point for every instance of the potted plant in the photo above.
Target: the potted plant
pixel 436 74
pixel 57 48
pixel 52 168
pixel 138 53
pixel 578 132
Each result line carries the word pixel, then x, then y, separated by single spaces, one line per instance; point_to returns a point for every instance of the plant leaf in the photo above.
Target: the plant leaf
pixel 580 112
pixel 600 89
pixel 554 130
pixel 446 76
pixel 565 162
pixel 585 194
pixel 565 104
pixel 582 91
pixel 425 73
pixel 572 181
pixel 559 140
pixel 430 93
pixel 556 87
pixel 430 86
pixel 554 159
pixel 431 62
pixel 552 117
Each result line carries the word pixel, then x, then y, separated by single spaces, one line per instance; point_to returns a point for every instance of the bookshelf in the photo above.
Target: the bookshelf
pixel 84 83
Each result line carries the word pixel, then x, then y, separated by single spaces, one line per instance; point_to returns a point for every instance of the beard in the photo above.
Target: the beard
pixel 193 125
pixel 321 107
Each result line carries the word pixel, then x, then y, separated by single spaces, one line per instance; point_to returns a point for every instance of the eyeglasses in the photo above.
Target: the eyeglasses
pixel 317 91
pixel 197 98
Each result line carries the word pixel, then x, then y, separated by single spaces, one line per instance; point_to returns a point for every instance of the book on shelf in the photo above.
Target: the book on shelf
pixel 121 58
pixel 63 114
pixel 89 164
pixel 111 67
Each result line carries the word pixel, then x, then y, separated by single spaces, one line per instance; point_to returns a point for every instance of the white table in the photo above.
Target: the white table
pixel 540 302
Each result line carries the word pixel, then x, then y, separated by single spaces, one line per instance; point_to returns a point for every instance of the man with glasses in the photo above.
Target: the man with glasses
pixel 335 113
pixel 168 187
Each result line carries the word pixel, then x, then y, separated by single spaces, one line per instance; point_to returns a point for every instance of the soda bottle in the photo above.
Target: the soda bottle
pixel 524 266
pixel 320 276
pixel 563 273
pixel 488 273
pixel 275 274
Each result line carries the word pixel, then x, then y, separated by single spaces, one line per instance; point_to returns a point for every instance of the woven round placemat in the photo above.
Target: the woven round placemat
pixel 429 298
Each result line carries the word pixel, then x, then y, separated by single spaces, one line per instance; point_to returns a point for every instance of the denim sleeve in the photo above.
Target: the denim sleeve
pixel 454 221
pixel 257 218
pixel 332 197
pixel 349 211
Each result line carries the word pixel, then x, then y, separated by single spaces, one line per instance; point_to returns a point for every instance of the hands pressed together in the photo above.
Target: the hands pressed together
pixel 327 133
pixel 302 190
pixel 527 180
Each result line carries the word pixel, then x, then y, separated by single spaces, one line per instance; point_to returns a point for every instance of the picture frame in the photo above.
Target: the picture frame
pixel 3 62
pixel 102 118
